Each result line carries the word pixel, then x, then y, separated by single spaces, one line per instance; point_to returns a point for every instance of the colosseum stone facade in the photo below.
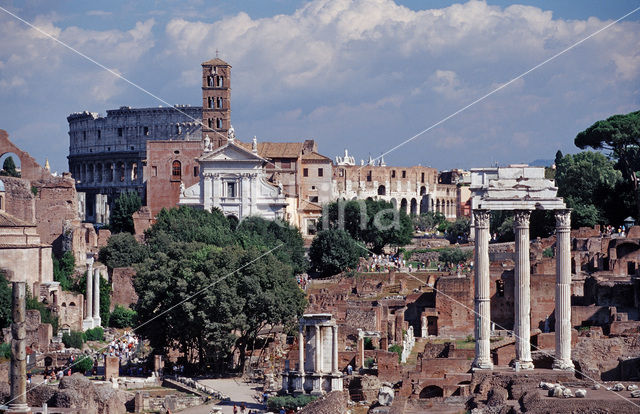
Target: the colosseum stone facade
pixel 106 153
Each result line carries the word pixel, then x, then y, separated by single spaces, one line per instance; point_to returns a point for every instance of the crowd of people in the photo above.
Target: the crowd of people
pixel 123 347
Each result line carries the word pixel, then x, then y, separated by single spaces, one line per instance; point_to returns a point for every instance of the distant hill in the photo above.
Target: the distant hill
pixel 541 163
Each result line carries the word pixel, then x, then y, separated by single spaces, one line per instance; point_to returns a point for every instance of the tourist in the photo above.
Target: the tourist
pixel 242 408
pixel 235 409
pixel 349 369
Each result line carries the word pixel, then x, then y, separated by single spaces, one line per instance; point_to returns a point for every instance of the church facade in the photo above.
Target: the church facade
pixel 233 179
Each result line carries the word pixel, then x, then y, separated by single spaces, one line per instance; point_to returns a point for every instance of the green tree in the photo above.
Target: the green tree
pixel 375 223
pixel 123 250
pixel 257 232
pixel 73 339
pixel 9 168
pixel 428 221
pixel 333 251
pixel 454 256
pixel 187 224
pixel 619 134
pixel 83 364
pixel 459 230
pixel 46 316
pixel 587 181
pixel 5 301
pixel 94 334
pixel 63 268
pixel 121 218
pixel 122 317
pixel 239 293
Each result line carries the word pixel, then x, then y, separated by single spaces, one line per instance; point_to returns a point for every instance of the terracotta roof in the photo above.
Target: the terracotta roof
pixel 216 62
pixel 314 156
pixel 276 149
pixel 309 206
pixel 7 220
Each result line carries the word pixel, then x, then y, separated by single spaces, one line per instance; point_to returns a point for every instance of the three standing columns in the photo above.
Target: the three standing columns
pixel 522 294
pixel 563 291
pixel 482 292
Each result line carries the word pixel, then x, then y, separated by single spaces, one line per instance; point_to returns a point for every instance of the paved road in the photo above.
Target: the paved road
pixel 239 392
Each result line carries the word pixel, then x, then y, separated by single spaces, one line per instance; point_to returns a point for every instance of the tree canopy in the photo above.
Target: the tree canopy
pixel 619 134
pixel 9 168
pixel 588 181
pixel 375 223
pixel 244 279
pixel 123 250
pixel 429 221
pixel 333 251
pixel 121 218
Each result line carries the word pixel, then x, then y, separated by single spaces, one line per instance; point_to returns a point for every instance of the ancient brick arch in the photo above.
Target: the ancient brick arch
pixel 30 169
pixel 431 391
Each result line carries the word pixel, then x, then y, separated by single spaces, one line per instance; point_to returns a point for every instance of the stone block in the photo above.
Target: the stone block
pixel 111 367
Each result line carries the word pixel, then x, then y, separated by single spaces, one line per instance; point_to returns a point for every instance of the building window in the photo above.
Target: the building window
pixel 145 131
pixel 422 179
pixel 313 199
pixel 341 172
pixel 210 81
pixel 320 172
pixel 84 135
pixel 369 176
pixel 210 121
pixel 218 102
pixel 404 174
pixel 195 171
pixel 393 173
pixel 218 122
pixel 231 189
pixel 176 169
pixel 119 132
pixel 155 171
pixel 99 134
pixel 220 81
pixel 305 172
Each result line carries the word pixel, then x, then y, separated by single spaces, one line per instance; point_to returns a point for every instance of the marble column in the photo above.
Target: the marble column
pixel 317 351
pixel 96 298
pixel 87 323
pixel 563 291
pixel 334 359
pixel 482 298
pixel 18 401
pixel 301 349
pixel 522 295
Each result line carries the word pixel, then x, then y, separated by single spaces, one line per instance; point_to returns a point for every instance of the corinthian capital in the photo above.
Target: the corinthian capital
pixel 563 219
pixel 521 218
pixel 481 218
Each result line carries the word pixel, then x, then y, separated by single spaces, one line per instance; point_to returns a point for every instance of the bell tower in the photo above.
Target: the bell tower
pixel 216 101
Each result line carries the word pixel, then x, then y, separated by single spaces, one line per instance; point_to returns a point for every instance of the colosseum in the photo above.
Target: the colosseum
pixel 106 153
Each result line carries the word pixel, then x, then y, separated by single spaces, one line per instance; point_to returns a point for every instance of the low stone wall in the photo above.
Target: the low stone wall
pixel 144 402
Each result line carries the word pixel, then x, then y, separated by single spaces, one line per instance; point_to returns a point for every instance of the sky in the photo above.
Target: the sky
pixel 366 75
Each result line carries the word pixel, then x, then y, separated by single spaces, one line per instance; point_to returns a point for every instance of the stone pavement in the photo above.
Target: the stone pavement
pixel 239 392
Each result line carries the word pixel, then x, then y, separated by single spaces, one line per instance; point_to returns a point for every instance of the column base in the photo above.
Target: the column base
pixel 18 409
pixel 563 365
pixel 298 383
pixel 336 381
pixel 316 381
pixel 97 322
pixel 479 365
pixel 523 365
pixel 87 323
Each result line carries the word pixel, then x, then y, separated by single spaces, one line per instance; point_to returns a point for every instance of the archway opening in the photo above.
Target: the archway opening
pixel 431 391
pixel 11 166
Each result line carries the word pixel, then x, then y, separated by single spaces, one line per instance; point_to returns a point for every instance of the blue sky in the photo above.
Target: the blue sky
pixel 359 74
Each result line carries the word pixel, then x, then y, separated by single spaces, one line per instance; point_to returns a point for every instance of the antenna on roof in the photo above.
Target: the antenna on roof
pixel 217 54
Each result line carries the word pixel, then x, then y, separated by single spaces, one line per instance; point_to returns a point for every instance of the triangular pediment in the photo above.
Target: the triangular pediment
pixel 231 152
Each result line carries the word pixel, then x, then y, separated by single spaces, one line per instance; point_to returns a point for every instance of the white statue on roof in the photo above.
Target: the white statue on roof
pixel 231 134
pixel 207 143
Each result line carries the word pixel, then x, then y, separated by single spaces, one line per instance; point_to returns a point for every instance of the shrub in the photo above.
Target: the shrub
pixel 83 364
pixel 368 363
pixel 95 334
pixel 397 349
pixel 73 339
pixel 289 402
pixel 63 269
pixel 5 350
pixel 46 316
pixel 548 252
pixel 368 344
pixel 122 317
